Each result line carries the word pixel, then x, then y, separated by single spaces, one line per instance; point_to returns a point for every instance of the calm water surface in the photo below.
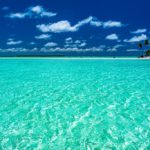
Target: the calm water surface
pixel 56 104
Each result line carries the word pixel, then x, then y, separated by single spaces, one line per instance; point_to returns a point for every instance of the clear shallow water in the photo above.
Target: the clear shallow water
pixel 74 104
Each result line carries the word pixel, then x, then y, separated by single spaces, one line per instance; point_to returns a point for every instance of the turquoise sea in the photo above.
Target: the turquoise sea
pixel 66 104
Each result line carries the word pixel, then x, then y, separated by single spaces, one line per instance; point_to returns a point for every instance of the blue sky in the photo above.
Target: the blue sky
pixel 73 27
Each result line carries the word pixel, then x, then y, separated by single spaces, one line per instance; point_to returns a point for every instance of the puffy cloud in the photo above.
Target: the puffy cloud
pixel 65 25
pixel 43 36
pixel 58 27
pixel 139 31
pixel 18 15
pixel 112 37
pixel 61 26
pixel 36 11
pixel 41 11
pixel 136 38
pixel 110 24
pixel 82 44
pixel 77 42
pixel 12 42
pixel 51 44
pixel 68 40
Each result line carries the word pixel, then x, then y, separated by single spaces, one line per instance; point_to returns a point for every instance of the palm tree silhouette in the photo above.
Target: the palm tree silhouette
pixel 145 52
pixel 140 45
pixel 146 42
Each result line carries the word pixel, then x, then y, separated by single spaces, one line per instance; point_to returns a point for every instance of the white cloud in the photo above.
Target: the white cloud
pixel 18 49
pixel 114 48
pixel 90 20
pixel 12 42
pixel 77 42
pixel 41 11
pixel 139 31
pixel 118 46
pixel 43 36
pixel 82 44
pixel 13 50
pixel 112 37
pixel 61 26
pixel 36 9
pixel 137 38
pixel 110 24
pixel 132 50
pixel 17 15
pixel 55 49
pixel 68 40
pixel 96 23
pixel 65 25
pixel 35 12
pixel 72 44
pixel 75 49
pixel 51 44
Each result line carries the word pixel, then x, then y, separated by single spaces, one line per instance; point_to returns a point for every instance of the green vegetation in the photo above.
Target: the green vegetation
pixel 146 53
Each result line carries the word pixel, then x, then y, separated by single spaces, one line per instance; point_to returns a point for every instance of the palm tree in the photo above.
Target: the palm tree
pixel 146 42
pixel 140 46
pixel 147 53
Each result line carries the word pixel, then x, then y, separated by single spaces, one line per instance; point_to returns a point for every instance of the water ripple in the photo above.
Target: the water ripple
pixel 71 105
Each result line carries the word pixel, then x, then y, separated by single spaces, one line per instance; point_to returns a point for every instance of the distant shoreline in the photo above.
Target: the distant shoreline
pixel 73 58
